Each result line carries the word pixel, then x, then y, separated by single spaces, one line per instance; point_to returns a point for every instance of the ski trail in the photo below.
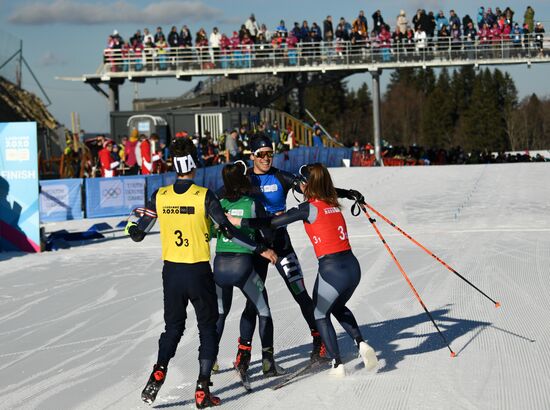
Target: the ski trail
pixel 80 327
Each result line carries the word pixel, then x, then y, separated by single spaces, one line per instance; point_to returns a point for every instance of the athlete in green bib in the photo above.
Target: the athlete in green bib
pixel 243 207
pixel 233 267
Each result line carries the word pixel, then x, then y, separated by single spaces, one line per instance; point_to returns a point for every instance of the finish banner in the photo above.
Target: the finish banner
pixel 19 217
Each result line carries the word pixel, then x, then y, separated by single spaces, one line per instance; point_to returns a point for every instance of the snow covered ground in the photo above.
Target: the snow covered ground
pixel 79 327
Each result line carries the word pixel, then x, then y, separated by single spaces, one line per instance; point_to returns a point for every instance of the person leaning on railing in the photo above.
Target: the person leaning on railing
pixel 456 37
pixel 201 46
pixel 421 41
pixel 125 52
pixel 236 52
pixel 225 51
pixel 408 41
pixel 161 48
pixel 246 50
pixel 539 38
pixel 136 56
pixel 173 45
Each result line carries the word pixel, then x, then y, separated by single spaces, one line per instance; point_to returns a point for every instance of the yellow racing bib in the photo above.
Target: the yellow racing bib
pixel 184 225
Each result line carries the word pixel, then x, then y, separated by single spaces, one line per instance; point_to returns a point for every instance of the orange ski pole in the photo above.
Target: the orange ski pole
pixel 373 223
pixel 433 255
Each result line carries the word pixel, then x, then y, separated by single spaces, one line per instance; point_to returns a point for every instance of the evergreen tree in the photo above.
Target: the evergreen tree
pixel 482 128
pixel 438 114
pixel 356 123
pixel 462 86
pixel 425 80
pixel 327 102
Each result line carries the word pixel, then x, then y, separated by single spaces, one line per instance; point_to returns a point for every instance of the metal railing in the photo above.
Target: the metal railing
pixel 303 133
pixel 389 54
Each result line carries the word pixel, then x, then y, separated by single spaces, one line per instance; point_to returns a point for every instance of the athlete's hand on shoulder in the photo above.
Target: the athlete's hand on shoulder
pixel 270 255
pixel 234 220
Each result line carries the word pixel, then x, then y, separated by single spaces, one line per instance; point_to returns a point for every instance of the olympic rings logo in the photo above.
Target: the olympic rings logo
pixel 111 192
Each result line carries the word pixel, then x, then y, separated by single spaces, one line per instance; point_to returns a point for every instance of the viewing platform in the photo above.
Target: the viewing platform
pixel 184 63
pixel 292 60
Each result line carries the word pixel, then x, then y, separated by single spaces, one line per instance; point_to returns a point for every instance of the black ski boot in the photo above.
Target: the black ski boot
pixel 319 351
pixel 203 397
pixel 156 379
pixel 244 354
pixel 269 367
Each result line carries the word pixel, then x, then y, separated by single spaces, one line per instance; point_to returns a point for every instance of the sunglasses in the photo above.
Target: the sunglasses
pixel 263 154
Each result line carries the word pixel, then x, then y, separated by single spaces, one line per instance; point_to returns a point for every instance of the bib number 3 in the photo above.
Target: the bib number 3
pixel 343 234
pixel 180 240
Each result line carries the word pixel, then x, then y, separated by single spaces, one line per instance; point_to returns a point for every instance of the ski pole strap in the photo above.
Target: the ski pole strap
pixel 295 183
pixel 356 208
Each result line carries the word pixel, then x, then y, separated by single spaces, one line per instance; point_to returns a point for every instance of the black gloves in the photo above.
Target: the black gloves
pixel 356 196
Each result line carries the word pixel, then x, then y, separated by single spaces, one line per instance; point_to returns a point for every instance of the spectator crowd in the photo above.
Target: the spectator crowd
pixel 425 32
pixel 139 154
pixel 363 155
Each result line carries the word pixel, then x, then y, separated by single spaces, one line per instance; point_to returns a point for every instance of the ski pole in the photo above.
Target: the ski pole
pixel 433 255
pixel 373 223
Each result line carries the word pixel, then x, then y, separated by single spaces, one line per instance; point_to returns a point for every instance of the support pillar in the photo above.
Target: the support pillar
pixel 376 115
pixel 113 97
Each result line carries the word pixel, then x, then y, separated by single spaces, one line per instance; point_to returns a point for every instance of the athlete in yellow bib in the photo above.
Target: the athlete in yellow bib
pixel 184 224
pixel 184 211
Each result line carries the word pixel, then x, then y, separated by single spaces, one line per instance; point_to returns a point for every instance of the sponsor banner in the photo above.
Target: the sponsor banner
pixel 114 196
pixel 19 215
pixel 61 200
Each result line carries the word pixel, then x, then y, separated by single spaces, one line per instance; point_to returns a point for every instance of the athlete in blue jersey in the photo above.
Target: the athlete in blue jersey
pixel 272 188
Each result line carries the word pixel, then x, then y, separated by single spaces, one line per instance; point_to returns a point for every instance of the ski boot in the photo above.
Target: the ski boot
pixel 243 355
pixel 368 355
pixel 156 379
pixel 319 351
pixel 269 367
pixel 203 397
pixel 216 367
pixel 337 368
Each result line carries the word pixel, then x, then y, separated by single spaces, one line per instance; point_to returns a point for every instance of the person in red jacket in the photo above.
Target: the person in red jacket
pixel 106 161
pixel 147 156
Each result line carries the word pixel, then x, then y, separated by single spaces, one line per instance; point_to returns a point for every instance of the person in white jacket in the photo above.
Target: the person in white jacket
pixel 421 40
pixel 402 22
pixel 214 40
pixel 252 26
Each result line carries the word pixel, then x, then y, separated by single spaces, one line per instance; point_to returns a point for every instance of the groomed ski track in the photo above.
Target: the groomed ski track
pixel 79 327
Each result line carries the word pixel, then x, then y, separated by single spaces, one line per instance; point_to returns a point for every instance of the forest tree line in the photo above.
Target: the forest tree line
pixel 474 109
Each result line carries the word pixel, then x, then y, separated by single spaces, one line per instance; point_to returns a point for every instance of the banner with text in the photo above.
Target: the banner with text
pixel 60 200
pixel 114 196
pixel 19 216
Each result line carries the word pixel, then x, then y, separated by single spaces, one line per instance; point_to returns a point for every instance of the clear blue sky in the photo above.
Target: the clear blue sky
pixel 66 38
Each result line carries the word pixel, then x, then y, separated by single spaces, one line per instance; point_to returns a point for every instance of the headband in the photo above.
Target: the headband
pixel 304 172
pixel 183 165
pixel 240 161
